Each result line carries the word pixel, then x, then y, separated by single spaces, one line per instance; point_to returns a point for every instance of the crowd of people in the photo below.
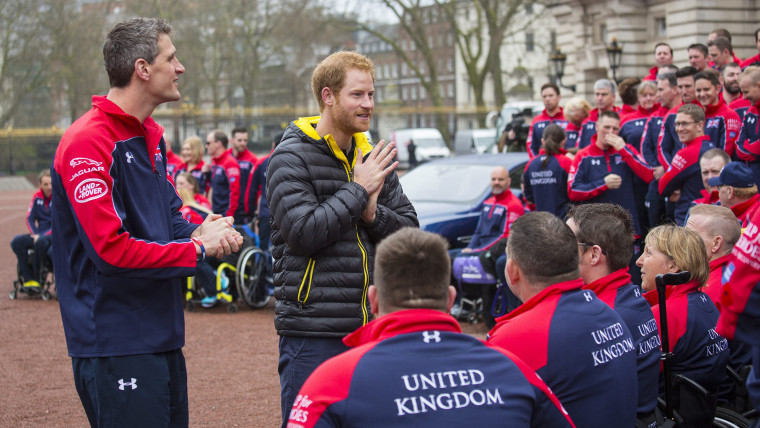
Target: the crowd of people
pixel 613 197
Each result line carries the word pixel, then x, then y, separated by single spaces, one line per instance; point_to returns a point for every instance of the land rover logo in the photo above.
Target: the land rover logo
pixel 90 189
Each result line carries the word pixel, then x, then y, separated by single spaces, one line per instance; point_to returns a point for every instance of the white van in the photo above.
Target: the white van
pixel 469 141
pixel 428 143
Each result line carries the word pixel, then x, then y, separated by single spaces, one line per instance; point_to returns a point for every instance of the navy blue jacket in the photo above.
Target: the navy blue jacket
pixel 258 183
pixel 617 291
pixel 586 180
pixel 684 173
pixel 748 143
pixel 38 215
pixel 546 187
pixel 581 348
pixel 414 368
pixel 120 246
pixel 537 126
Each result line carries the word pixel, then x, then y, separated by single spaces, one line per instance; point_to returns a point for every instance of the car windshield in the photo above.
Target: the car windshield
pixel 428 142
pixel 451 183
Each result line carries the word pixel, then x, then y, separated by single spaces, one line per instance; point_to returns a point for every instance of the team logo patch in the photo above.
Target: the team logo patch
pixel 427 336
pixel 90 189
pixel 728 272
pixel 79 161
pixel 713 123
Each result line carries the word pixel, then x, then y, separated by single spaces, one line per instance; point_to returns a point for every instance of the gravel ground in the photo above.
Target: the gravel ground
pixel 231 358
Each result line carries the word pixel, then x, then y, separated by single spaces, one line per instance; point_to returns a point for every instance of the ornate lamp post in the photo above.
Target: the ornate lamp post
pixel 558 60
pixel 614 55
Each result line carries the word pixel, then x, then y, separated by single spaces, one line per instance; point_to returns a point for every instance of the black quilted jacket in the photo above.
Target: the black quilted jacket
pixel 323 252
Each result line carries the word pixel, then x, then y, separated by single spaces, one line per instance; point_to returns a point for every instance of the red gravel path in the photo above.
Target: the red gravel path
pixel 231 358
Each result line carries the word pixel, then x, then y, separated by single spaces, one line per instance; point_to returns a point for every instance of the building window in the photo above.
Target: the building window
pixel 450 64
pixel 413 93
pixel 423 93
pixel 529 43
pixel 403 69
pixel 404 93
pixel 602 34
pixel 451 90
pixel 529 8
pixel 661 26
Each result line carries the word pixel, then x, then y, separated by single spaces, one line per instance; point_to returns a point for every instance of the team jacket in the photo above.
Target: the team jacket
pixel 740 106
pixel 197 173
pixel 699 352
pixel 652 74
pixel 740 301
pixel 684 173
pixel 247 162
pixel 120 243
pixel 617 291
pixel 749 61
pixel 707 198
pixel 722 125
pixel 743 211
pixel 536 131
pixel 172 163
pixel 585 182
pixel 496 217
pixel 632 126
pixel 546 188
pixel 669 143
pixel 38 214
pixel 193 214
pixel 580 347
pixel 572 133
pixel 225 185
pixel 431 375
pixel 588 129
pixel 323 252
pixel 257 189
pixel 714 286
pixel 748 144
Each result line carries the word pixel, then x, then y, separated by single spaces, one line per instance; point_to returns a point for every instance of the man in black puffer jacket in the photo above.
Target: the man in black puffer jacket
pixel 332 198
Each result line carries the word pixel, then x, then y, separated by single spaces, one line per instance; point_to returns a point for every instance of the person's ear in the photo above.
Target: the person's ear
pixel 373 304
pixel 328 98
pixel 142 69
pixel 452 298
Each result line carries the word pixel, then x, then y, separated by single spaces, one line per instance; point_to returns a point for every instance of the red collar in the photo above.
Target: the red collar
pixel 720 262
pixel 612 281
pixel 672 291
pixel 550 291
pixel 559 116
pixel 742 207
pixel 712 110
pixel 697 140
pixel 401 322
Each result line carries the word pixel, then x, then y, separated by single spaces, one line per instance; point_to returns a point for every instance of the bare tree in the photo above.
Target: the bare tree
pixel 410 17
pixel 24 53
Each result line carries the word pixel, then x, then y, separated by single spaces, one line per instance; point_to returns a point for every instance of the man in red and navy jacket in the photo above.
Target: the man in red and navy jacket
pixel 684 174
pixel 120 244
pixel 722 124
pixel 668 143
pixel 605 91
pixel 552 114
pixel 432 375
pixel 737 190
pixel 579 346
pixel 663 55
pixel 604 171
pixel 247 162
pixel 39 223
pixel 225 175
pixel 605 245
pixel 497 213
pixel 740 300
pixel 748 143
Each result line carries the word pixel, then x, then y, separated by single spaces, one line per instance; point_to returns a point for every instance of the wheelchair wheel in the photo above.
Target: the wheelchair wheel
pixel 726 418
pixel 251 277
pixel 12 294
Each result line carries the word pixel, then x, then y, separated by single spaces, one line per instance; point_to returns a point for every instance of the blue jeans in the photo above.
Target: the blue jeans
pixel 148 390
pixel 299 356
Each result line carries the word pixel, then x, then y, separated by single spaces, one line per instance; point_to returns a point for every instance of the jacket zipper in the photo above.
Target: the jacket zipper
pixel 365 285
pixel 308 273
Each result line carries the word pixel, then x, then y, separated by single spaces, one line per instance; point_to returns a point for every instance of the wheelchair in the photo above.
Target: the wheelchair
pixel 248 271
pixel 46 280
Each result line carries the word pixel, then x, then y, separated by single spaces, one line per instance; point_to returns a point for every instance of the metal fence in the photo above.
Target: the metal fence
pixel 28 151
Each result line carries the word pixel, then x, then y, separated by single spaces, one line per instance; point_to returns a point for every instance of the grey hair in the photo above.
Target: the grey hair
pixel 605 84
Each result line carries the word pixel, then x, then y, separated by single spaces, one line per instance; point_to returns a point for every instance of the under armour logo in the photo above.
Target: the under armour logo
pixel 750 119
pixel 596 162
pixel 588 296
pixel 637 292
pixel 704 299
pixel 428 336
pixel 122 384
pixel 130 157
pixel 639 123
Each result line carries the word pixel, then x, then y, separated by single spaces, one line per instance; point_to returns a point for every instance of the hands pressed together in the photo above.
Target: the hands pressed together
pixel 218 236
pixel 371 174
